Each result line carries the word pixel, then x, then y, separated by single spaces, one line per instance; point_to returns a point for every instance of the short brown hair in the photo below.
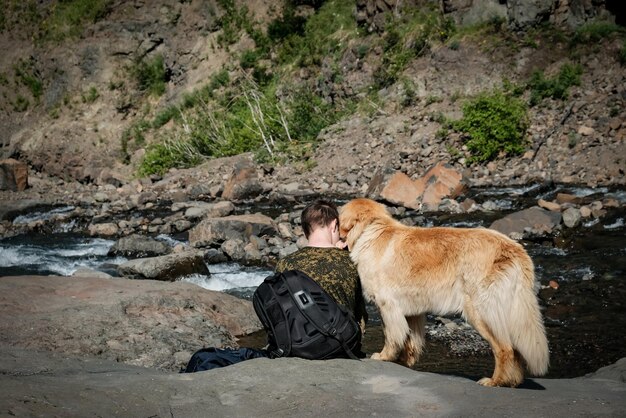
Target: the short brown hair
pixel 318 214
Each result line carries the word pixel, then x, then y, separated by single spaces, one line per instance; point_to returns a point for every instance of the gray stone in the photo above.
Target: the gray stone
pixel 572 217
pixel 534 218
pixel 167 267
pixel 50 382
pixel 217 230
pixel 137 246
pixel 233 248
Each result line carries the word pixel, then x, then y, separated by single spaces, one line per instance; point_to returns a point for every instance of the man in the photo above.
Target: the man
pixel 324 260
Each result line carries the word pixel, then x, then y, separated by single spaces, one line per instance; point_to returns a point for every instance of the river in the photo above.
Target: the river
pixel 585 316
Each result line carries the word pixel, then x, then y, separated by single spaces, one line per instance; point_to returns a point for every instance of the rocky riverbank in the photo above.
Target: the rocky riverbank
pixel 231 210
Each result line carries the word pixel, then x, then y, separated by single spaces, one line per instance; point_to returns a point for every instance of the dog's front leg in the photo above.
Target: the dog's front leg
pixel 396 330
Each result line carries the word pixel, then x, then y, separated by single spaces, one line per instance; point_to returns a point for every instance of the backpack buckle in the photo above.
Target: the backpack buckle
pixel 279 352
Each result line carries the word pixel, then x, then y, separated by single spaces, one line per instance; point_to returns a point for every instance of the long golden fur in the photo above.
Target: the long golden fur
pixel 480 273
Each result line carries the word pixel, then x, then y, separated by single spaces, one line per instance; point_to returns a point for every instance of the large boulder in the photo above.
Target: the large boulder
pixel 13 175
pixel 198 209
pixel 11 209
pixel 214 231
pixel 138 246
pixel 439 182
pixel 401 190
pixel 167 267
pixel 37 384
pixel 145 323
pixel 534 219
pixel 244 182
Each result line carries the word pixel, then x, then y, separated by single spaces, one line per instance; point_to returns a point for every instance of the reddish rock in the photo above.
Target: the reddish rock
pixel 553 284
pixel 13 175
pixel 401 190
pixel 567 198
pixel 439 182
pixel 554 207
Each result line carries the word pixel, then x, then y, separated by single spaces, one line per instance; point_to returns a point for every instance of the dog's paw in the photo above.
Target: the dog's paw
pixel 487 381
pixel 376 356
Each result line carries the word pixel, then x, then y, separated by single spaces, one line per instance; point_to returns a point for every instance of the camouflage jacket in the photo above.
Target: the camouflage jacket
pixel 332 269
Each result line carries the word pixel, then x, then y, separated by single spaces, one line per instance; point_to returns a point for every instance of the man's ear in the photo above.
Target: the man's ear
pixel 334 225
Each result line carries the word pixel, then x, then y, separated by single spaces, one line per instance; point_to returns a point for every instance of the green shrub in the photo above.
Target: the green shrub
pixel 21 103
pixel 622 54
pixel 151 75
pixel 248 58
pixel 595 32
pixel 160 158
pixel 91 95
pixel 325 34
pixel 27 75
pixel 165 116
pixel 556 87
pixel 68 17
pixel 288 24
pixel 234 19
pixel 495 122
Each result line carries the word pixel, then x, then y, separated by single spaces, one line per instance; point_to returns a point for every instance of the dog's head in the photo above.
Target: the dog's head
pixel 356 215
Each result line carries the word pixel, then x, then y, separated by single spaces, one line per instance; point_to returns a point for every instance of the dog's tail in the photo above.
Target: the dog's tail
pixel 526 329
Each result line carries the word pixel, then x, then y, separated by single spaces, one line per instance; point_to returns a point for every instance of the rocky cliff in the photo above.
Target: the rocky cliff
pixel 77 100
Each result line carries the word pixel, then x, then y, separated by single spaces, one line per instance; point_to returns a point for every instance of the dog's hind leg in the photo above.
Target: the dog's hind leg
pixel 508 370
pixel 414 342
pixel 396 331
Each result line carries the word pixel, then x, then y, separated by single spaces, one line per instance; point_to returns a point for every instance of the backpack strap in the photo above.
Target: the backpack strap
pixel 280 326
pixel 314 314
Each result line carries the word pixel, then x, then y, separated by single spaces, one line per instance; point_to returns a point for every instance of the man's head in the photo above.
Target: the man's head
pixel 319 214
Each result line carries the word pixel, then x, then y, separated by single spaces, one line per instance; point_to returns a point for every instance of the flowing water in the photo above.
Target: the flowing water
pixel 585 316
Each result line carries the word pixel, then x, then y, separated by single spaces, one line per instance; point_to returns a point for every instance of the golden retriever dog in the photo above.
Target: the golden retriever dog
pixel 482 274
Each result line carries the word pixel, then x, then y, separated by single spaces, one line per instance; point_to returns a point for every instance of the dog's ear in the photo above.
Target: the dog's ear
pixel 351 223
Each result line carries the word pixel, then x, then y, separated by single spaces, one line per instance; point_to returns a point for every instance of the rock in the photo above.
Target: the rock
pixel 244 182
pixel 13 175
pixel 554 207
pixel 553 284
pixel 399 189
pixel 199 209
pixel 571 217
pixel 252 253
pixel 289 249
pixel 562 198
pixel 214 256
pixel 217 230
pixel 11 209
pixel 50 382
pixel 138 246
pixel 103 229
pixel 233 248
pixel 284 230
pixel 441 181
pixel 143 323
pixel 586 130
pixel 534 218
pixel 167 267
pixel 585 211
pixel 87 272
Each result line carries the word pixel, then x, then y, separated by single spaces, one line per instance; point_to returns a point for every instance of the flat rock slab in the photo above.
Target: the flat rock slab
pixel 141 322
pixel 50 384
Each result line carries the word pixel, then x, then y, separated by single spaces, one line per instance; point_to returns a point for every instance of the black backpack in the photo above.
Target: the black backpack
pixel 302 320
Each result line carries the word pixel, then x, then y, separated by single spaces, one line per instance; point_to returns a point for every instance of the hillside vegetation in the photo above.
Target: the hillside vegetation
pixel 269 80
